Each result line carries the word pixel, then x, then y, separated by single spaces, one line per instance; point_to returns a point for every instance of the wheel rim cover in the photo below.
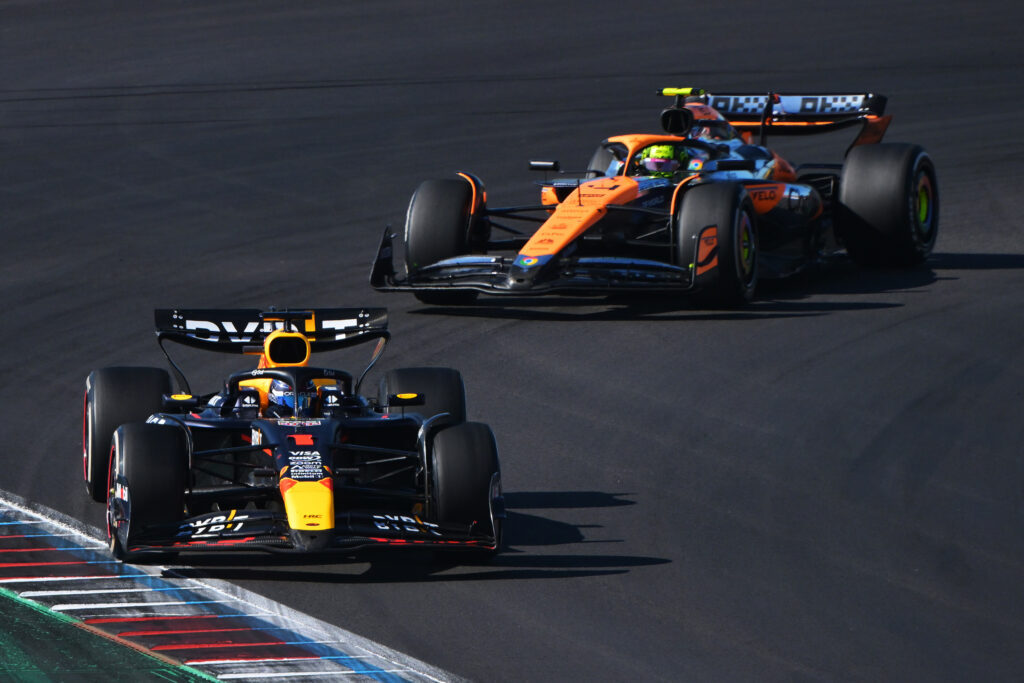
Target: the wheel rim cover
pixel 747 251
pixel 923 204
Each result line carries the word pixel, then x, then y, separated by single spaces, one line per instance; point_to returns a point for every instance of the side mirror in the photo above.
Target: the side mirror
pixel 180 403
pixel 408 399
pixel 552 166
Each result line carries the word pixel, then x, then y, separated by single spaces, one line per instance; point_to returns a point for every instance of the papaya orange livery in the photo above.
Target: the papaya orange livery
pixel 766 197
pixel 583 208
pixel 707 250
pixel 704 206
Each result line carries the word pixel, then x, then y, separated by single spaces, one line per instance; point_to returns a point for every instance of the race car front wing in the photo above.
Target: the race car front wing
pixel 265 530
pixel 510 276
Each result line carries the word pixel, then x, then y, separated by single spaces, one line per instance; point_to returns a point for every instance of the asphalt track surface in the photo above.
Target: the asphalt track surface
pixel 826 485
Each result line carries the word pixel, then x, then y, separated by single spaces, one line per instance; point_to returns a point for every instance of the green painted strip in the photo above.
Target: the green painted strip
pixel 38 645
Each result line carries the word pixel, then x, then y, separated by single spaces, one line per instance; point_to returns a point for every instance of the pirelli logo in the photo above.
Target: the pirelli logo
pixel 789 104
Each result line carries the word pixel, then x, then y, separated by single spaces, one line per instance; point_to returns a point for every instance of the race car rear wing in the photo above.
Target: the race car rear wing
pixel 788 114
pixel 819 107
pixel 238 330
pixel 244 330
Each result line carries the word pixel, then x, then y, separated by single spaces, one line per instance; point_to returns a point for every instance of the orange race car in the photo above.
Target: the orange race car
pixel 701 207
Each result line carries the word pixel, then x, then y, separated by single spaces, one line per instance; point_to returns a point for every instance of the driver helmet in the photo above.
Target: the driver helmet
pixel 283 399
pixel 661 161
pixel 699 132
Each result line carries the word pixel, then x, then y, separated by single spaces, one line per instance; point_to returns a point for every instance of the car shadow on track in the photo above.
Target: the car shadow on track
pixel 842 277
pixel 819 290
pixel 977 261
pixel 518 560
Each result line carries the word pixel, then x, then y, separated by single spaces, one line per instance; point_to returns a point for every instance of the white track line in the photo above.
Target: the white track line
pixel 307 674
pixel 74 607
pixel 42 550
pixel 67 535
pixel 34 579
pixel 98 591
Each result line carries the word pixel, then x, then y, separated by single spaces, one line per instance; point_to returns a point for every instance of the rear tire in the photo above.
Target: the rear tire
pixel 437 227
pixel 148 480
pixel 465 466
pixel 716 236
pixel 441 388
pixel 888 205
pixel 115 396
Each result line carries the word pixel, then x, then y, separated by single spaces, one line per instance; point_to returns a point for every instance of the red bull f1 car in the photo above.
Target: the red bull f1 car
pixel 703 207
pixel 286 456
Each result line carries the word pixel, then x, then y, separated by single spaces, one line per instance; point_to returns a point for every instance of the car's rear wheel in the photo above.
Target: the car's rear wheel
pixel 437 227
pixel 115 396
pixel 466 478
pixel 148 477
pixel 716 238
pixel 442 390
pixel 888 213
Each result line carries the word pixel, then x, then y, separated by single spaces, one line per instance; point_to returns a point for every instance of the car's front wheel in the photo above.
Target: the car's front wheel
pixel 148 478
pixel 716 238
pixel 466 478
pixel 437 227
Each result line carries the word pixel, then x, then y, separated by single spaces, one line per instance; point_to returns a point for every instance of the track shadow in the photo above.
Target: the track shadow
pixel 977 261
pixel 518 500
pixel 516 561
pixel 524 529
pixel 842 277
pixel 796 296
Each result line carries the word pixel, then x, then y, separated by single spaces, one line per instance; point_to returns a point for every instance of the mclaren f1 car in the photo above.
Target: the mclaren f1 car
pixel 702 207
pixel 286 456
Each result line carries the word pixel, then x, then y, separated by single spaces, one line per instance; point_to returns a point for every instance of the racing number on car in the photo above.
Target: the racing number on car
pixel 211 526
pixel 404 523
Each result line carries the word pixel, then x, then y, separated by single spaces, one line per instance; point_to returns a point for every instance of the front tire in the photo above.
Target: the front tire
pixel 442 389
pixel 148 478
pixel 716 237
pixel 888 205
pixel 115 396
pixel 466 477
pixel 437 227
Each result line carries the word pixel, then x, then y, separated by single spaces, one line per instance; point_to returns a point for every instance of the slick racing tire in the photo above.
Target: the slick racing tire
pixel 716 237
pixel 437 227
pixel 441 388
pixel 466 477
pixel 115 396
pixel 888 213
pixel 148 477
